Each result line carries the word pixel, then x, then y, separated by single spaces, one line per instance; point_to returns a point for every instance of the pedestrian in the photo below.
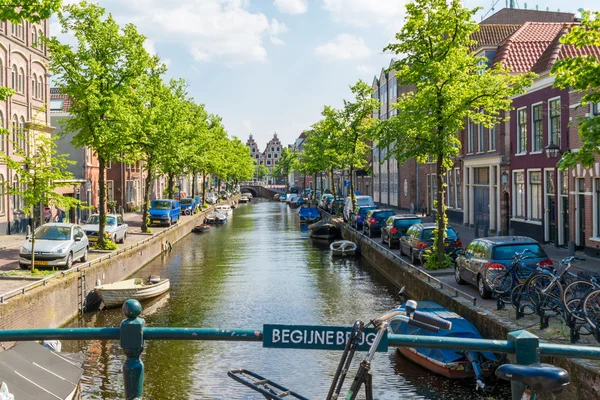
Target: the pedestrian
pixel 60 215
pixel 47 213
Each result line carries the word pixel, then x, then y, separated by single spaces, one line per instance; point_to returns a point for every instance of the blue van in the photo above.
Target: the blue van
pixel 164 212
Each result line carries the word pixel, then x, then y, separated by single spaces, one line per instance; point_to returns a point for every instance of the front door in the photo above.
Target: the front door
pixel 550 217
pixel 481 208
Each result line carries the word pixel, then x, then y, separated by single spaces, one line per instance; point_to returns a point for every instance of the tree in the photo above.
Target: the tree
pixel 357 128
pixel 582 74
pixel 450 85
pixel 261 171
pixel 33 11
pixel 287 163
pixel 99 75
pixel 41 171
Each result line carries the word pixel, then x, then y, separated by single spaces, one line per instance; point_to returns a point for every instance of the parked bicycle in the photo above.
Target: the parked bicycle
pixel 274 391
pixel 539 378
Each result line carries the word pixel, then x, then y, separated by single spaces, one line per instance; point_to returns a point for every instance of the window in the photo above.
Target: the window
pixel 13 28
pixel 492 144
pixel 538 128
pixel 268 162
pixel 56 105
pixel 458 184
pixel 278 149
pixel 34 86
pixel 21 80
pixel 481 140
pixel 535 195
pixel 41 88
pixel 554 126
pixel 596 108
pixel 268 155
pixel 522 130
pixel 471 136
pixel 14 74
pixel 2 141
pixel 392 86
pixel 253 150
pixel 272 148
pixel 15 135
pixel 23 142
pixel 21 30
pixel 33 37
pixel 450 190
pixel 40 39
pixel 16 197
pixel 1 73
pixel 2 200
pixel 519 194
pixel 275 155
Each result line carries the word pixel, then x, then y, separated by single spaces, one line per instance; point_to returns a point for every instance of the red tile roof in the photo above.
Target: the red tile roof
pixel 522 50
pixel 55 94
pixel 493 35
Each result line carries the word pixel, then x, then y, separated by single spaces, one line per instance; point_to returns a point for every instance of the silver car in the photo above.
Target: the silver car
pixel 115 228
pixel 56 245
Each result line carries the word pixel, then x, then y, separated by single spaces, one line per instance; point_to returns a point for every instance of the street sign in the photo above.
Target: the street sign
pixel 317 337
pixel 346 183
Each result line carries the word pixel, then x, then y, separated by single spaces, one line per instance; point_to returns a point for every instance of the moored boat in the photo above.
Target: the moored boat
pixel 223 208
pixel 309 215
pixel 115 294
pixel 201 228
pixel 449 363
pixel 216 218
pixel 244 199
pixel 343 248
pixel 324 230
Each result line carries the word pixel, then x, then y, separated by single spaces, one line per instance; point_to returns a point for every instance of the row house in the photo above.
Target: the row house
pixel 23 68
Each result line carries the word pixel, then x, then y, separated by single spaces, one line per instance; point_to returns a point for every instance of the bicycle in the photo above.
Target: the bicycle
pixel 274 391
pixel 546 287
pixel 538 378
pixel 576 292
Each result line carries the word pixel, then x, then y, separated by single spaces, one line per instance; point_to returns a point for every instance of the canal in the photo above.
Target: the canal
pixel 258 268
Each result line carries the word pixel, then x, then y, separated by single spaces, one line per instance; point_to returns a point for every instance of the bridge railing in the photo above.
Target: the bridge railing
pixel 524 347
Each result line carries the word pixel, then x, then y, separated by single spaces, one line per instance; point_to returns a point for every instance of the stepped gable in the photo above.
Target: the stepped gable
pixel 521 51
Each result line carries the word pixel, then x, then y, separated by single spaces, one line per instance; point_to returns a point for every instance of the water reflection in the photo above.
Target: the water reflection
pixel 258 268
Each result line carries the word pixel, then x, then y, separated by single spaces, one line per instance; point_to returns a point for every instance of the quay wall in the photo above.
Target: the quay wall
pixel 56 303
pixel 585 375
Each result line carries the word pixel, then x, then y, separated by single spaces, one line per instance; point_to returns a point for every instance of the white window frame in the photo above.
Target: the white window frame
pixel 530 201
pixel 470 136
pixel 519 133
pixel 541 150
pixel 559 121
pixel 492 143
pixel 480 135
pixel 515 194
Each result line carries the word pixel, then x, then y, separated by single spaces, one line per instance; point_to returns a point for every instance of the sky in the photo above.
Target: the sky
pixel 269 66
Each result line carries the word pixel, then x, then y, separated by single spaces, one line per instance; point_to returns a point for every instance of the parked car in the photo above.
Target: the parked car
pixel 419 237
pixel 495 252
pixel 164 212
pixel 360 201
pixel 374 220
pixel 115 228
pixel 212 198
pixel 358 216
pixel 56 245
pixel 188 206
pixel 396 226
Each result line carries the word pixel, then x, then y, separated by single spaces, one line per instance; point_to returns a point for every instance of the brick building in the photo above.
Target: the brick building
pixel 23 67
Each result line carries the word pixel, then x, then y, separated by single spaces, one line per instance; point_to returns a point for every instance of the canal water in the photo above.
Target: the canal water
pixel 258 268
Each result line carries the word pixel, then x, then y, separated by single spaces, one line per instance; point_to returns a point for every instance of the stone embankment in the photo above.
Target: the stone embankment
pixel 60 299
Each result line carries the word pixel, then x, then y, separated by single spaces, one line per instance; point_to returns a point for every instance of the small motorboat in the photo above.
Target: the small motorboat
pixel 449 363
pixel 309 215
pixel 244 199
pixel 343 248
pixel 115 294
pixel 324 230
pixel 224 209
pixel 216 218
pixel 201 228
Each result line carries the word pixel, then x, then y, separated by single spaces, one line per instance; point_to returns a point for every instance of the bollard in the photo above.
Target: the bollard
pixel 132 343
pixel 527 351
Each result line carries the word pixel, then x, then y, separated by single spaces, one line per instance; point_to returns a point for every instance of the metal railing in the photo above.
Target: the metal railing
pixel 81 267
pixel 132 333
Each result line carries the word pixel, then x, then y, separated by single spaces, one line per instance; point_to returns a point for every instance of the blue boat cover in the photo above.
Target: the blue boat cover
pixel 461 328
pixel 309 212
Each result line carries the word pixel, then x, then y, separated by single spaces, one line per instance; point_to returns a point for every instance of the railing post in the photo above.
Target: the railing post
pixel 132 343
pixel 527 351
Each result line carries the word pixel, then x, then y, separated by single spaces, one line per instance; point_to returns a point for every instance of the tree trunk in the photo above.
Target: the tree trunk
pixel 203 188
pixel 334 192
pixel 102 201
pixel 352 196
pixel 171 184
pixel 149 175
pixel 440 210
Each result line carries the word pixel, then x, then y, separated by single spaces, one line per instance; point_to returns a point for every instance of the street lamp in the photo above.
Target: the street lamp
pixel 552 150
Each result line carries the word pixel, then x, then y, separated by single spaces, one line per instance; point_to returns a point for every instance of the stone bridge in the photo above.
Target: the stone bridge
pixel 260 190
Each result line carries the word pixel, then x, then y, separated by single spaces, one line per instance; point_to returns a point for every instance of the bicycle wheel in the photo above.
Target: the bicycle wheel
pixel 498 280
pixel 573 297
pixel 548 289
pixel 591 307
pixel 520 297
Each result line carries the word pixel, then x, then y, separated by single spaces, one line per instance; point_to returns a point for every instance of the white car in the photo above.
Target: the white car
pixel 56 245
pixel 115 228
pixel 360 201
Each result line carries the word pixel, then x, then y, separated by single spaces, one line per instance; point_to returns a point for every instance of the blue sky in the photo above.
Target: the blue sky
pixel 270 66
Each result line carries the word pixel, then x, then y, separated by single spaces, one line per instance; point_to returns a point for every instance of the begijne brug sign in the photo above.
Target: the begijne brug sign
pixel 318 337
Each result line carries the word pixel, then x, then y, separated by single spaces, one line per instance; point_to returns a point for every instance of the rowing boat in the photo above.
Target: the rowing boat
pixel 115 294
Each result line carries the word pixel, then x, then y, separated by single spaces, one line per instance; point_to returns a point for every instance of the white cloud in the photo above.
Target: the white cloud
pixel 364 69
pixel 291 6
pixel 149 46
pixel 344 47
pixel 211 30
pixel 388 14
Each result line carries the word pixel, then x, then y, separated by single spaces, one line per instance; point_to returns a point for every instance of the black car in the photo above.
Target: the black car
pixel 358 216
pixel 495 252
pixel 419 237
pixel 396 226
pixel 374 220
